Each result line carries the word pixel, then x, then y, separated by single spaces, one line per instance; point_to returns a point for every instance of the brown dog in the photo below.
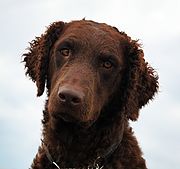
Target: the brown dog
pixel 96 79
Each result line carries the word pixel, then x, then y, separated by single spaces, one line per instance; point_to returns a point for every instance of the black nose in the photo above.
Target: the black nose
pixel 69 95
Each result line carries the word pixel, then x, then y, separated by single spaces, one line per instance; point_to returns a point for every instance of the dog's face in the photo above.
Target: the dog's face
pixel 85 68
pixel 88 67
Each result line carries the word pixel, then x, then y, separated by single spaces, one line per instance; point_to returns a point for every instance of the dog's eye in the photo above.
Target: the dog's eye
pixel 65 52
pixel 107 64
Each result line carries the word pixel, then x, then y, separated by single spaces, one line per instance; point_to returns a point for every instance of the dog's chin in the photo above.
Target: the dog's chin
pixel 67 119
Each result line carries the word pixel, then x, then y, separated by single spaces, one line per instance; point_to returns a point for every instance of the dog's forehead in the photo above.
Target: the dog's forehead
pixel 91 30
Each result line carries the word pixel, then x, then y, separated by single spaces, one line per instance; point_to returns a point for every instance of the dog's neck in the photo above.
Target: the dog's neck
pixel 71 145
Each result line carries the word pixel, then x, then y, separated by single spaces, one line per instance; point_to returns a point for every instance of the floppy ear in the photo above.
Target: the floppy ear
pixel 140 79
pixel 37 58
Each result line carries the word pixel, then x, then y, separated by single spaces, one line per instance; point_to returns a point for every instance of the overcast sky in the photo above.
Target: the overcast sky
pixel 155 22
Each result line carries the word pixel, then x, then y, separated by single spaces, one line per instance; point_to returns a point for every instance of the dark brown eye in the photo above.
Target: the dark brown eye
pixel 65 52
pixel 107 64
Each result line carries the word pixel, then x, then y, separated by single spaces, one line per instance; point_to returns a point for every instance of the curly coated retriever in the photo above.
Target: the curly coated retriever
pixel 97 80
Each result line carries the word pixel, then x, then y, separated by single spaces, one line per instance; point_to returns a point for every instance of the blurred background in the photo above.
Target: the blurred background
pixel 155 23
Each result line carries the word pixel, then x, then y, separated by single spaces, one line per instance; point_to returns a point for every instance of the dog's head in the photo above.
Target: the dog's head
pixel 88 66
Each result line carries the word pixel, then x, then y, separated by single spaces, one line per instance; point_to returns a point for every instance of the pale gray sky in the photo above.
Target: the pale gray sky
pixel 155 23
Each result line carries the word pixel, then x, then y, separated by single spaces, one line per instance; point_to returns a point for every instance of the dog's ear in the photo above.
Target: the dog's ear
pixel 140 79
pixel 37 58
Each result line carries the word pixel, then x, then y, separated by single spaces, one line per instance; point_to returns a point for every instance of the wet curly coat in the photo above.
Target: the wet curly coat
pixel 97 80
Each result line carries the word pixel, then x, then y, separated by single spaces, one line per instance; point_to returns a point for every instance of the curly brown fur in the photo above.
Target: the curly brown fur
pixel 97 79
pixel 38 56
